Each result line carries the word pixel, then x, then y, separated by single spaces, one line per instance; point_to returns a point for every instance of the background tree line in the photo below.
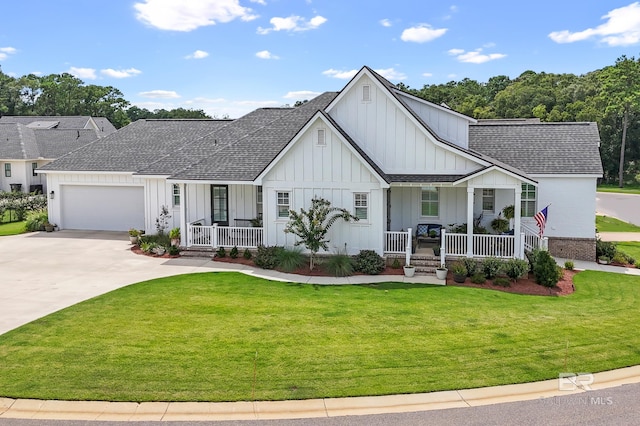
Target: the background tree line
pixel 64 94
pixel 609 96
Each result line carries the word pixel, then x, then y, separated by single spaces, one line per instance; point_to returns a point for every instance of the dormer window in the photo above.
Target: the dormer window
pixel 321 137
pixel 366 93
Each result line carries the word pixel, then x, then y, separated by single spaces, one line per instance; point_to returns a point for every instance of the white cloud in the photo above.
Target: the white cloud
pixel 427 74
pixel 622 28
pixel 422 33
pixel 344 75
pixel 265 54
pixel 300 94
pixel 475 56
pixel 86 73
pixel 109 72
pixel 6 51
pixel 452 75
pixel 159 94
pixel 391 74
pixel 198 54
pixel 187 15
pixel 261 2
pixel 385 22
pixel 293 23
pixel 200 100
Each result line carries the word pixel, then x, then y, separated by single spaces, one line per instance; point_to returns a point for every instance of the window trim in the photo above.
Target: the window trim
pixel 259 202
pixel 278 204
pixel 528 189
pixel 321 141
pixel 7 169
pixel 175 197
pixel 491 198
pixel 364 207
pixel 366 90
pixel 34 166
pixel 436 202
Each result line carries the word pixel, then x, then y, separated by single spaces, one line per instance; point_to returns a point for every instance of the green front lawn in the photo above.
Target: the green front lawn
pixel 13 228
pixel 611 224
pixel 205 337
pixel 632 248
pixel 627 189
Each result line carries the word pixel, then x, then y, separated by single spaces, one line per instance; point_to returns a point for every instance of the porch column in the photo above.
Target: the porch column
pixel 516 221
pixel 183 214
pixel 470 192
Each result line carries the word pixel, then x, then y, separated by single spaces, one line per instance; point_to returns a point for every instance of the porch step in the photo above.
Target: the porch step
pixel 197 252
pixel 425 264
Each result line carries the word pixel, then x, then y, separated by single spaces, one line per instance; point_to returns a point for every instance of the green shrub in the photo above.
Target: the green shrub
pixel 515 268
pixel 502 282
pixel 478 278
pixel 221 252
pixel 531 257
pixel 148 246
pixel 174 250
pixel 619 257
pixel 396 263
pixel 234 252
pixel 160 240
pixel 545 270
pixel 491 266
pixel 290 260
pixel 247 254
pixel 470 264
pixel 568 265
pixel 500 225
pixel 267 256
pixel 458 268
pixel 36 220
pixel 369 262
pixel 339 265
pixel 605 248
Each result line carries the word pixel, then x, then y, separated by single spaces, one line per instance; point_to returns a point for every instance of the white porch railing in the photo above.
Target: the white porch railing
pixel 398 242
pixel 215 236
pixel 532 239
pixel 484 245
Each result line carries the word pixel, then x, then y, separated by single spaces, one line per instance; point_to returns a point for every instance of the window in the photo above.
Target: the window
pixel 176 195
pixel 259 201
pixel 361 206
pixel 34 166
pixel 283 203
pixel 430 202
pixel 321 138
pixel 488 199
pixel 7 169
pixel 366 93
pixel 528 200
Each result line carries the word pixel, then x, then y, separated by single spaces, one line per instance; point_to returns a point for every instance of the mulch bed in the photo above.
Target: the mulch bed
pixel 522 286
pixel 525 285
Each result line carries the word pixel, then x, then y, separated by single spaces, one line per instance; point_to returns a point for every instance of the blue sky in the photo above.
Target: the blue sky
pixel 232 56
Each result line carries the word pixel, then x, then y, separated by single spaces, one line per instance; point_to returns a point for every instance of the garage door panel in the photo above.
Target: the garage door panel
pixel 104 208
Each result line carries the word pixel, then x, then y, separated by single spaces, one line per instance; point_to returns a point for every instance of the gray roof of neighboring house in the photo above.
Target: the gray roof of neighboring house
pixel 135 146
pixel 540 148
pixel 100 125
pixel 20 142
pixel 54 143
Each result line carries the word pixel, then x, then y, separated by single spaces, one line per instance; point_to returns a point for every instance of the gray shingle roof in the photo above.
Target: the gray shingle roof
pixel 135 146
pixel 540 148
pixel 101 125
pixel 54 143
pixel 20 142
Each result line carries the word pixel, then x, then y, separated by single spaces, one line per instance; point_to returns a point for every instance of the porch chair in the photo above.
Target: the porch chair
pixel 424 231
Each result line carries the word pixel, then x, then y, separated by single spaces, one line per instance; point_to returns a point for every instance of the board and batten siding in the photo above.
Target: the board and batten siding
pixel 242 203
pixel 389 135
pixel 159 193
pixel 330 171
pixel 56 181
pixel 406 207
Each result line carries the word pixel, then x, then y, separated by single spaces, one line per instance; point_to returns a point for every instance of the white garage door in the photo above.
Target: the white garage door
pixel 102 208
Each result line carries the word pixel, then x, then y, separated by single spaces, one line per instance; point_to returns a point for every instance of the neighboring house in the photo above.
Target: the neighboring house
pixel 391 158
pixel 29 142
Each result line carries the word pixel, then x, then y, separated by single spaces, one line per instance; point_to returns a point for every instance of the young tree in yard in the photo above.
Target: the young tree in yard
pixel 312 225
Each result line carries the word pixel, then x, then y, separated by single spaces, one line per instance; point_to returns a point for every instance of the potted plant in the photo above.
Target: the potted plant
pixel 409 270
pixel 604 260
pixel 509 213
pixel 133 235
pixel 441 272
pixel 174 234
pixel 500 225
pixel 48 226
pixel 459 272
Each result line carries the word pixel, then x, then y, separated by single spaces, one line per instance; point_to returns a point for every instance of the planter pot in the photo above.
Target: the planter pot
pixel 159 251
pixel 409 271
pixel 48 228
pixel 441 273
pixel 459 278
pixel 175 242
pixel 133 240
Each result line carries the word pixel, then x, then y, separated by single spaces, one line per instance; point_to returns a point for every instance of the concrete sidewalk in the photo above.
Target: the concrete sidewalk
pixel 325 407
pixel 619 236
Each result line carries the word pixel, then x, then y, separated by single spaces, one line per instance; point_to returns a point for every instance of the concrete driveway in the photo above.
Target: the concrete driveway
pixel 42 272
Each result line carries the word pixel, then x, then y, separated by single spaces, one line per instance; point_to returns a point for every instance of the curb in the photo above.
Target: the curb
pixel 311 408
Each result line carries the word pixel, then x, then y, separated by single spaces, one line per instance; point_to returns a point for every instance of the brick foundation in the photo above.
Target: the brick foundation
pixel 573 248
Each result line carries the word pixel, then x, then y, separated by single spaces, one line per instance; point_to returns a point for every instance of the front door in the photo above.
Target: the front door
pixel 220 204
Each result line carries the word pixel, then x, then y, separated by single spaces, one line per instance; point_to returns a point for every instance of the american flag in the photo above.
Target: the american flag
pixel 541 219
